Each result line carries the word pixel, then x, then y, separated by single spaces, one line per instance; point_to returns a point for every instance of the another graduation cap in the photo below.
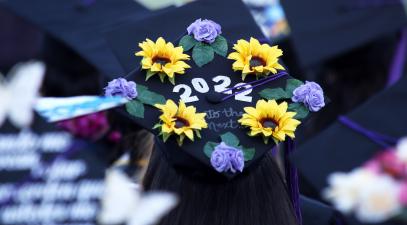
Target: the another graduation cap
pixel 78 24
pixel 47 176
pixel 322 29
pixel 354 139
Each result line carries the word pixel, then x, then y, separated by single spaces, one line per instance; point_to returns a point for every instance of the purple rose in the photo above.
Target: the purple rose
pixel 121 87
pixel 311 94
pixel 204 30
pixel 226 158
pixel 237 159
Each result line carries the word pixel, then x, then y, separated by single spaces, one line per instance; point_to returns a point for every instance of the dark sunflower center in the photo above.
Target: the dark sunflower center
pixel 161 60
pixel 181 122
pixel 257 61
pixel 268 123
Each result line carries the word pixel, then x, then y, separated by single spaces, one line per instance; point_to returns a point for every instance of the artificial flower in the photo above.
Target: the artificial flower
pixel 162 58
pixel 92 126
pixel 121 87
pixel 227 158
pixel 311 94
pixel 255 58
pixel 270 119
pixel 345 188
pixel 204 30
pixel 180 120
pixel 378 201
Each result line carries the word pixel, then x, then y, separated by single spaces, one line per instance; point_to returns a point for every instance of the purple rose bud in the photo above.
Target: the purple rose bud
pixel 311 94
pixel 226 158
pixel 204 30
pixel 121 87
pixel 237 159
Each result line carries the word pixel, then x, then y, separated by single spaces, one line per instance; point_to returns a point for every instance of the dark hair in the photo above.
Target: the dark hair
pixel 258 197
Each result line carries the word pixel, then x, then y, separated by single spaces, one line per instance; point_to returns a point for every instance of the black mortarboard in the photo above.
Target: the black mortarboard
pixel 322 29
pixel 315 212
pixel 61 173
pixel 341 148
pixel 78 24
pixel 221 117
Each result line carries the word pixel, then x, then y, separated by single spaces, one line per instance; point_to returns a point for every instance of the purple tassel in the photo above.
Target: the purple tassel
pixel 292 179
pixel 383 140
pixel 397 65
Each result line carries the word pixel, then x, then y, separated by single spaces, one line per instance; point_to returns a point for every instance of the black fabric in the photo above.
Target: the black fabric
pixel 315 212
pixel 323 29
pixel 221 117
pixel 78 27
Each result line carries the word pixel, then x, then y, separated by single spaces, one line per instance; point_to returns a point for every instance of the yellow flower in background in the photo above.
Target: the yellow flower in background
pixel 270 119
pixel 180 120
pixel 162 58
pixel 255 58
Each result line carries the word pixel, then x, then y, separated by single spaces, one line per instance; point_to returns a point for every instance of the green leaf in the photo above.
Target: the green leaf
pixel 162 77
pixel 275 93
pixel 291 85
pixel 187 42
pixel 150 98
pixel 202 54
pixel 248 153
pixel 156 126
pixel 300 109
pixel 135 108
pixel 172 80
pixel 149 74
pixel 140 88
pixel 209 148
pixel 230 139
pixel 166 136
pixel 220 46
pixel 198 133
pixel 180 140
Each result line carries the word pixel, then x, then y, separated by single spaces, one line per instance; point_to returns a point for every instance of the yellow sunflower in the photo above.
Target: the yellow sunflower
pixel 162 58
pixel 180 120
pixel 255 58
pixel 270 119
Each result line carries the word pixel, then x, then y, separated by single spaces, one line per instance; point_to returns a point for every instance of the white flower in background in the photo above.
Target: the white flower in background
pixel 379 201
pixel 123 202
pixel 345 188
pixel 401 149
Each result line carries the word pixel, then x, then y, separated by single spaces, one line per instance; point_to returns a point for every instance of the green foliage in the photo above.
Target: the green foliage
pixel 135 108
pixel 300 109
pixel 220 46
pixel 275 93
pixel 202 54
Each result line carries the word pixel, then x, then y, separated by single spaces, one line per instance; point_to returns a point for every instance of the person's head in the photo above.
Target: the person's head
pixel 256 197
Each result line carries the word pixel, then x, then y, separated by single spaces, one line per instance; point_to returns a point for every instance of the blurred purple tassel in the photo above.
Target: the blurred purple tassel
pixel 399 58
pixel 292 179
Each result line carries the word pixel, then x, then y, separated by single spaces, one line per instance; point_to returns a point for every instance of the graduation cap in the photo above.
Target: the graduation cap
pixel 211 86
pixel 322 29
pixel 44 169
pixel 197 86
pixel 315 212
pixel 355 138
pixel 78 25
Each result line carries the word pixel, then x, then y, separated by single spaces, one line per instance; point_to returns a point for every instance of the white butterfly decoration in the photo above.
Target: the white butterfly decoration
pixel 19 93
pixel 123 202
